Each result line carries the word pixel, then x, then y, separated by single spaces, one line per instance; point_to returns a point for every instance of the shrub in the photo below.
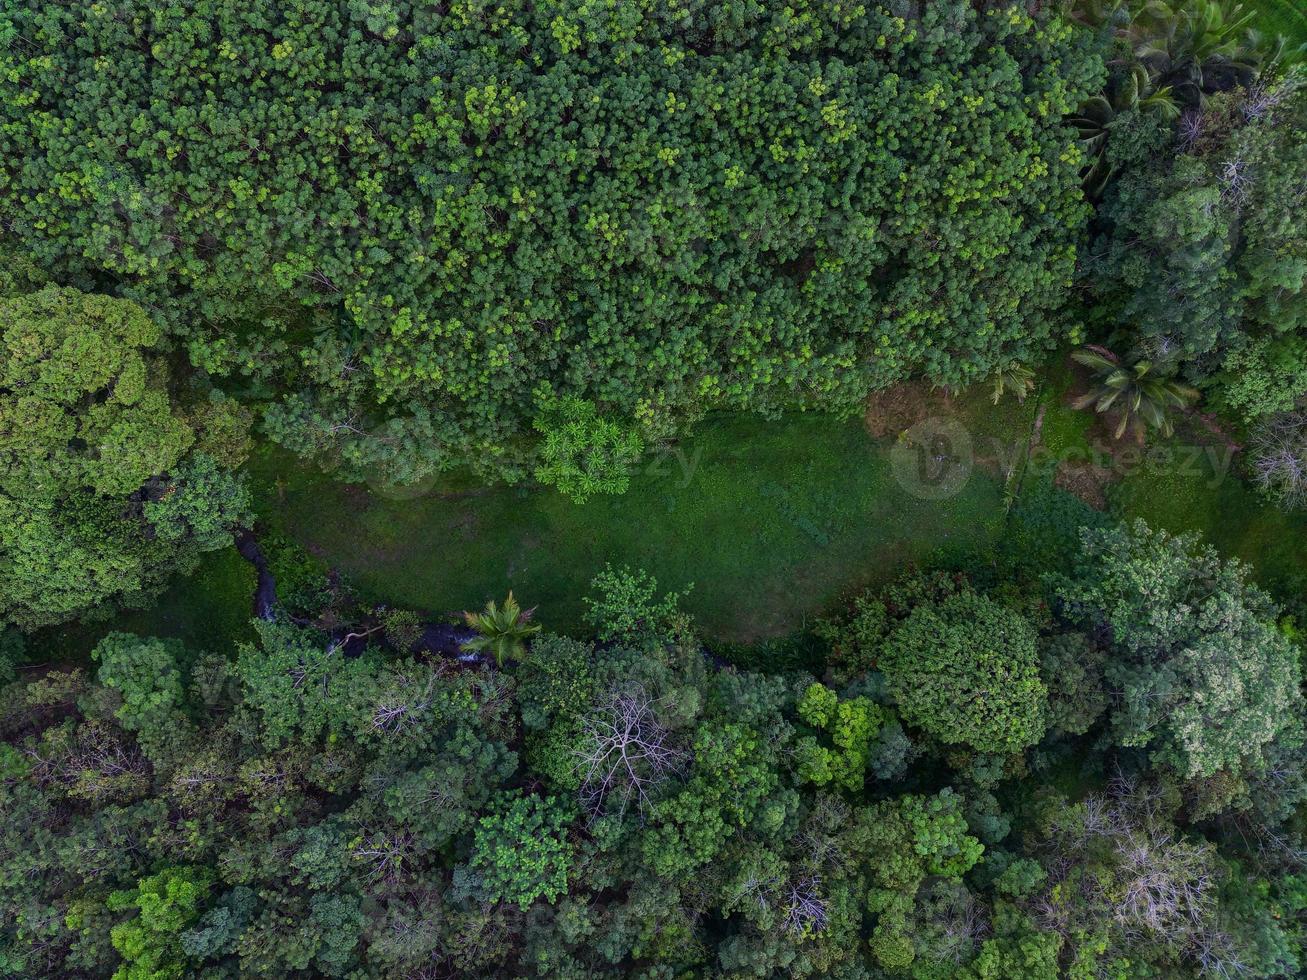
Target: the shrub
pixel 966 670
pixel 584 454
pixel 523 853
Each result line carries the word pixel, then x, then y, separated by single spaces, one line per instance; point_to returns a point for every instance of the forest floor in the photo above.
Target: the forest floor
pixel 768 520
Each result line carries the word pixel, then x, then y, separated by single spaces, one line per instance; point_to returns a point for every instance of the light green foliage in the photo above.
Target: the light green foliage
pixel 912 838
pixel 147 675
pixel 584 453
pixel 431 213
pixel 850 725
pixel 84 402
pixel 1262 377
pixel 966 670
pixel 165 903
pixel 1205 677
pixel 98 500
pixel 624 607
pixel 503 630
pixel 523 853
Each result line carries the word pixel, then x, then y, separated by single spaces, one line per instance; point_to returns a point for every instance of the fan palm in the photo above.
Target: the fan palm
pixel 503 630
pixel 1141 393
pixel 1198 46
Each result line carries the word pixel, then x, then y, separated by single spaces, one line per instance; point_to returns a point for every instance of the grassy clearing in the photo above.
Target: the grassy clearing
pixel 769 519
pixel 209 610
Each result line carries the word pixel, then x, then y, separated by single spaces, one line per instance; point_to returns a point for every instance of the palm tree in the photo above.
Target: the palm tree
pixel 1142 392
pixel 1015 379
pixel 1100 115
pixel 503 630
pixel 1197 47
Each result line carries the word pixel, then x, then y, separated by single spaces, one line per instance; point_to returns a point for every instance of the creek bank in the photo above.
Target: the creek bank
pixel 439 638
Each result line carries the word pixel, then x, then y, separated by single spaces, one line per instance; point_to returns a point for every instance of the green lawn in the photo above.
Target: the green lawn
pixel 770 520
pixel 208 610
pixel 1193 495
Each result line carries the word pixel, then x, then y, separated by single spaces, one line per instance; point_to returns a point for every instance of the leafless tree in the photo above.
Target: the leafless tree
pixel 1119 857
pixel 403 704
pixel 805 909
pixel 1191 128
pixel 819 837
pixel 624 753
pixel 1236 180
pixel 1279 457
pixel 1263 99
pixel 384 854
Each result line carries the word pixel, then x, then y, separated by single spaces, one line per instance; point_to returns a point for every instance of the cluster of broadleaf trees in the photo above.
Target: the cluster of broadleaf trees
pixel 398 237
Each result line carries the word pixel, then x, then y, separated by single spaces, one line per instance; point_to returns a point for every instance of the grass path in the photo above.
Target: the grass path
pixel 770 521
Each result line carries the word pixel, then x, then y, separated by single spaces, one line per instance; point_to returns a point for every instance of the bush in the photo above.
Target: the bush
pixel 584 454
pixel 624 607
pixel 966 670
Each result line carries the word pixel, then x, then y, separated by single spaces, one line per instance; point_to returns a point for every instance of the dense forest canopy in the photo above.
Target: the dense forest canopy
pixel 531 243
pixel 408 222
pixel 630 807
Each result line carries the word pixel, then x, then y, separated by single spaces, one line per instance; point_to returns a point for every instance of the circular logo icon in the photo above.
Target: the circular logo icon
pixel 932 460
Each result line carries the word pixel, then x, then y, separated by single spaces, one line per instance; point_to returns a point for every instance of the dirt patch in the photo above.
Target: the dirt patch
pixel 890 411
pixel 1086 481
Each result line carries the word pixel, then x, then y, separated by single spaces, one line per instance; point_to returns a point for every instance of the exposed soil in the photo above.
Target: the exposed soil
pixel 1086 481
pixel 890 411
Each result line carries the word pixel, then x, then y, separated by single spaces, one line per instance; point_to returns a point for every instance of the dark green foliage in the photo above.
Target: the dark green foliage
pixel 966 670
pixel 1203 246
pixel 410 217
pixel 1141 394
pixel 1072 667
pixel 403 628
pixel 284 810
pixel 1204 676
